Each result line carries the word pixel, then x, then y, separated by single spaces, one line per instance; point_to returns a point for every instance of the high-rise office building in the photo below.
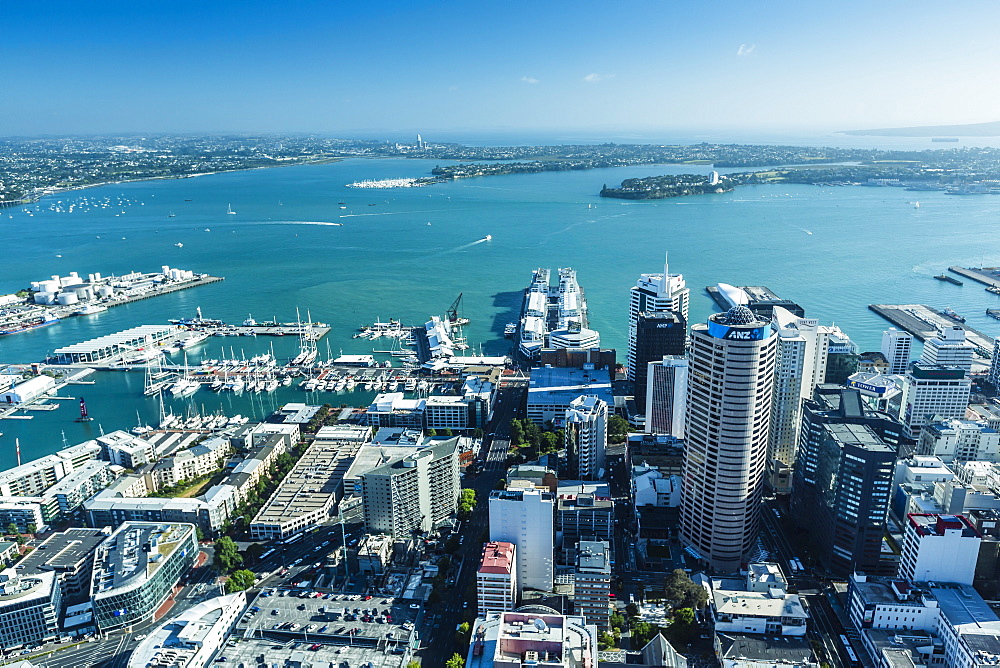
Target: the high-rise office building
pixel 948 348
pixel 932 391
pixel 656 335
pixel 526 518
pixel 800 365
pixel 727 419
pixel 586 436
pixel 842 357
pixel 666 391
pixel 840 491
pixel 592 583
pixel 896 346
pixel 654 293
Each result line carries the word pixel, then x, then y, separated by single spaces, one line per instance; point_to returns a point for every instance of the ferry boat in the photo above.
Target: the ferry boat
pixel 949 312
pixel 26 325
pixel 547 308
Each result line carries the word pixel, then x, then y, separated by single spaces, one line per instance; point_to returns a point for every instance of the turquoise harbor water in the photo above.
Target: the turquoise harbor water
pixel 833 250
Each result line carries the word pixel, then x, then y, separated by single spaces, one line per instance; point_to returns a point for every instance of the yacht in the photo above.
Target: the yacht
pixel 229 210
pixel 90 309
pixel 185 387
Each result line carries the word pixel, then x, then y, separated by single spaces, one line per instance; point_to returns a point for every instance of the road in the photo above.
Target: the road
pixel 444 617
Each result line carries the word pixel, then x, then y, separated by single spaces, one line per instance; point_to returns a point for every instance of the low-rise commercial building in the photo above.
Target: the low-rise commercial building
pixel 759 605
pixel 192 638
pixel 374 554
pixel 496 579
pixel 24 513
pixel 949 615
pixel 189 464
pixel 126 449
pixel 81 484
pixel 136 568
pixel 957 440
pixel 532 635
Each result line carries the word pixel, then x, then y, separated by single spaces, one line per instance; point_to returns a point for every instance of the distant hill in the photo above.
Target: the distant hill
pixel 972 130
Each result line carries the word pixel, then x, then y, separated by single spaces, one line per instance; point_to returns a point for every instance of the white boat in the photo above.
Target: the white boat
pixel 393 385
pixel 185 387
pixel 179 245
pixel 310 385
pixel 229 210
pixel 194 339
pixel 271 385
pixel 90 309
pixel 286 381
pixel 410 385
pixel 216 385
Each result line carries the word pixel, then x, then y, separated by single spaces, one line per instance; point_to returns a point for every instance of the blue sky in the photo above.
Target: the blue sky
pixel 373 67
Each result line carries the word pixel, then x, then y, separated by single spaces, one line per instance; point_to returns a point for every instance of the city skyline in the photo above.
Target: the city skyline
pixel 399 67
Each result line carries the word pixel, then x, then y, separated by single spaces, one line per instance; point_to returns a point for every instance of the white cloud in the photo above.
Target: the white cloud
pixel 745 49
pixel 594 77
pixel 530 80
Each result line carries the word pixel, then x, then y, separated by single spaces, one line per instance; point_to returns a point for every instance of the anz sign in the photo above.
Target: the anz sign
pixel 720 331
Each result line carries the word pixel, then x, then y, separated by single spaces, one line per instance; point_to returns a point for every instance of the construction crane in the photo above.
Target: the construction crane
pixel 452 313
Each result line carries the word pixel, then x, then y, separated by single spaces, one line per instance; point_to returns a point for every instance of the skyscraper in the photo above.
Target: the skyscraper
pixel 666 392
pixel 586 436
pixel 840 495
pixel 994 374
pixel 732 361
pixel 896 348
pixel 657 334
pixel 654 293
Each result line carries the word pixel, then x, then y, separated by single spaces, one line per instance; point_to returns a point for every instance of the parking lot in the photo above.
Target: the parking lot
pixel 341 618
pixel 268 654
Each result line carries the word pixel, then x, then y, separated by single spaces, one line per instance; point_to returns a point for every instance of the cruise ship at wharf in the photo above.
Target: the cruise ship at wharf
pixel 554 316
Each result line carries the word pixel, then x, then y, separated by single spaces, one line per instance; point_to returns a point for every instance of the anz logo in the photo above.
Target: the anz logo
pixel 755 334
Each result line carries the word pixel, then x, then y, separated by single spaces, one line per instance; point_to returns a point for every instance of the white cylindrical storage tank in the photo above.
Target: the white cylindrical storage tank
pixel 48 286
pixel 165 270
pixel 90 278
pixel 188 275
pixel 75 275
pixel 97 276
pixel 68 280
pixel 68 298
pixel 55 277
pixel 35 286
pixel 105 291
pixel 45 298
pixel 85 292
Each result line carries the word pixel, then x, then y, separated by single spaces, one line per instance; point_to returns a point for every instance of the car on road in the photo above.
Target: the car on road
pixel 414 606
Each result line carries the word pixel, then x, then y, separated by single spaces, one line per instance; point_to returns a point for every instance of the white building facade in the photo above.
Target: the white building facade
pixel 654 293
pixel 526 518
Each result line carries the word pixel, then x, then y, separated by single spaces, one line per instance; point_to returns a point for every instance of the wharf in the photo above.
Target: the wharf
pixel 988 276
pixel 162 290
pixel 318 332
pixel 923 322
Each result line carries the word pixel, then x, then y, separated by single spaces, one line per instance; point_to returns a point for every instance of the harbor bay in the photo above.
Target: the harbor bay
pixel 407 253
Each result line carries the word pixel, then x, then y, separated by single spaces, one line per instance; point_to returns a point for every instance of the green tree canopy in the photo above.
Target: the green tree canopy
pixel 227 555
pixel 32 528
pixel 12 529
pixel 240 580
pixel 642 633
pixel 618 427
pixel 253 552
pixel 680 591
pixel 456 661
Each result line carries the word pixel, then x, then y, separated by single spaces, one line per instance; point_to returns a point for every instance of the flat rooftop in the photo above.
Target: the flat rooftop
pixel 561 385
pixel 292 653
pixel 121 560
pixel 62 551
pixel 315 482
